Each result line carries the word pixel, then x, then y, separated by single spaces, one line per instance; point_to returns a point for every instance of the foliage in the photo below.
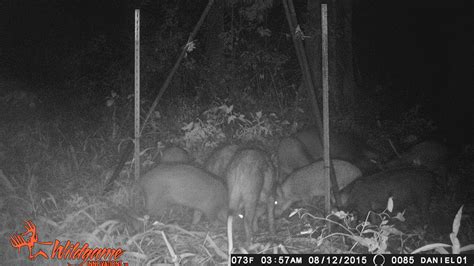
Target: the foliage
pixel 379 237
pixel 453 236
pixel 223 123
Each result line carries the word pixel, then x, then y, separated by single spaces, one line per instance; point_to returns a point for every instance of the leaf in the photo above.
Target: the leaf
pixel 400 216
pixel 441 250
pixel 392 231
pixel 365 224
pixel 417 162
pixel 390 204
pixel 226 109
pixel 188 126
pixel 383 244
pixel 430 247
pixel 157 114
pixel 230 119
pixel 373 244
pixel 361 240
pixel 319 242
pixel 110 102
pixel 340 214
pixel 457 221
pixel 456 244
pixel 294 212
pixel 370 231
pixel 190 46
pixel 467 248
pixel 264 32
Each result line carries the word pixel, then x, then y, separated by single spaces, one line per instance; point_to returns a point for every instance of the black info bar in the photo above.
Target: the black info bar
pixel 351 259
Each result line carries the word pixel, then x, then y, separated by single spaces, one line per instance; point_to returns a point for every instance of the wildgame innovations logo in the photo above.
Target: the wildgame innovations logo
pixel 65 251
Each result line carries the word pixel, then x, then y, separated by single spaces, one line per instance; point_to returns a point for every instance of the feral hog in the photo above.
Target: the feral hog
pixel 250 181
pixel 308 182
pixel 186 185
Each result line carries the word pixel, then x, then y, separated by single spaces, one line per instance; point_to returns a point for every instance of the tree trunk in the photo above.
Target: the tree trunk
pixel 334 81
pixel 215 26
pixel 313 44
pixel 341 71
pixel 345 57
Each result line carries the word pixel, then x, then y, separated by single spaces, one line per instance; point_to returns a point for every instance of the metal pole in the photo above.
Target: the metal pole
pixel 137 94
pixel 327 163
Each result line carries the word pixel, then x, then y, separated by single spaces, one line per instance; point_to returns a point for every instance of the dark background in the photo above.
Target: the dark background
pixel 421 50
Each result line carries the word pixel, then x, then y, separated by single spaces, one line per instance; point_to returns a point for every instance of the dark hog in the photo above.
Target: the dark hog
pixel 175 154
pixel 219 160
pixel 295 151
pixel 292 155
pixel 344 146
pixel 185 185
pixel 406 185
pixel 250 182
pixel 309 181
pixel 430 155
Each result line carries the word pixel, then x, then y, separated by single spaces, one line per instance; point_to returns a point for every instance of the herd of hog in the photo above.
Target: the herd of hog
pixel 236 178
